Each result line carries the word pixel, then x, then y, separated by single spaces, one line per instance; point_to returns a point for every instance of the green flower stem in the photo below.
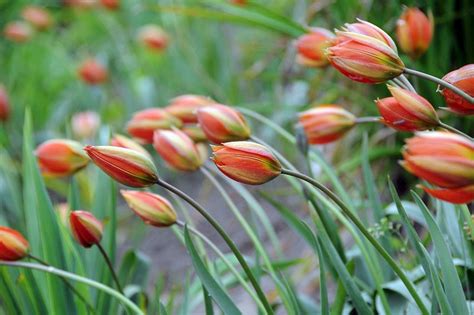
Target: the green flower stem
pixel 366 233
pixel 225 261
pixel 407 83
pixel 111 267
pixel 67 275
pixel 362 120
pixel 441 82
pixel 226 238
pixel 454 130
pixel 67 283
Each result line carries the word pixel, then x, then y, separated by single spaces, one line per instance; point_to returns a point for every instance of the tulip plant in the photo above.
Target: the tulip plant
pixel 402 246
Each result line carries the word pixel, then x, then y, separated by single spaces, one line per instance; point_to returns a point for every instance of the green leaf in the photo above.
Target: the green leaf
pixel 217 293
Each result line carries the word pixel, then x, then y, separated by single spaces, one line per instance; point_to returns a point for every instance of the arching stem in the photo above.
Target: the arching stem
pixel 111 267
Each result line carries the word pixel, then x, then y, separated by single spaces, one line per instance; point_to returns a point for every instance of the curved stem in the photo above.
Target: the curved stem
pixel 454 130
pixel 441 82
pixel 226 238
pixel 111 267
pixel 361 120
pixel 407 83
pixel 225 260
pixel 74 277
pixel 366 233
pixel 67 283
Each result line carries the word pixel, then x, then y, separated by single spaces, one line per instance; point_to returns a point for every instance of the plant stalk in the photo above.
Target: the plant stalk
pixel 454 130
pixel 226 238
pixel 111 267
pixel 361 120
pixel 366 233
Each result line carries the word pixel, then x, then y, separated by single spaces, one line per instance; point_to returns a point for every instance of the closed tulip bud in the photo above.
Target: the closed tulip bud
pixel 81 4
pixel 145 122
pixel 151 208
pixel 364 58
pixel 127 143
pixel 17 31
pixel 86 228
pixel 246 162
pixel 462 78
pixel 222 123
pixel 110 4
pixel 37 16
pixel 184 107
pixel 407 111
pixel 4 104
pixel 13 245
pixel 85 124
pixel 203 150
pixel 177 149
pixel 195 132
pixel 60 157
pixel 239 2
pixel 368 29
pixel 445 160
pixel 153 37
pixel 311 47
pixel 414 32
pixel 126 166
pixel 326 123
pixel 92 72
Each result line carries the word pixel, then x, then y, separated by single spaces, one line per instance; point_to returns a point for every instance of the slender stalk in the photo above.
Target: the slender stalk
pixel 454 130
pixel 74 277
pixel 226 238
pixel 441 82
pixel 111 267
pixel 67 283
pixel 398 83
pixel 361 120
pixel 366 233
pixel 225 260
pixel 407 83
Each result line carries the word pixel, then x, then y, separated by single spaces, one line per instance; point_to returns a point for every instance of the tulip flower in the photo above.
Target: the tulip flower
pixel 59 157
pixel 86 228
pixel 13 245
pixel 246 162
pixel 326 123
pixel 203 150
pixel 110 4
pixel 81 4
pixel 445 160
pixel 462 78
pixel 153 37
pixel 366 28
pixel 124 142
pixel 37 16
pixel 126 166
pixel 414 32
pixel 222 123
pixel 364 58
pixel 177 149
pixel 194 132
pixel 4 104
pixel 92 72
pixel 151 208
pixel 184 107
pixel 311 47
pixel 85 124
pixel 407 111
pixel 17 31
pixel 145 122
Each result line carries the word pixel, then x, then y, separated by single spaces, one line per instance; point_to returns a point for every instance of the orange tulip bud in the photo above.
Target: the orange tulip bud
pixel 59 157
pixel 407 111
pixel 311 47
pixel 222 123
pixel 371 30
pixel 326 123
pixel 151 208
pixel 17 31
pixel 153 37
pixel 246 162
pixel 13 245
pixel 177 149
pixel 203 150
pixel 239 2
pixel 81 4
pixel 4 104
pixel 86 228
pixel 126 166
pixel 364 58
pixel 443 159
pixel 184 107
pixel 85 124
pixel 195 132
pixel 414 32
pixel 145 122
pixel 462 78
pixel 127 143
pixel 110 4
pixel 37 16
pixel 92 72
